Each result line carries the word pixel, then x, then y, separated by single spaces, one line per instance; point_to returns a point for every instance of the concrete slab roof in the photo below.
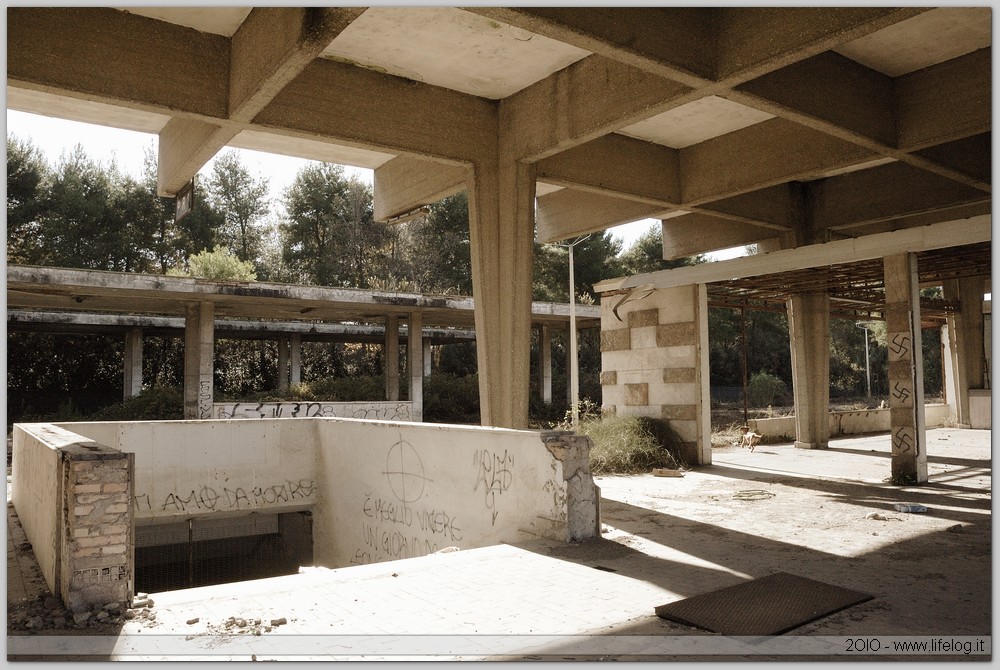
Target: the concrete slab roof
pixel 732 120
pixel 93 291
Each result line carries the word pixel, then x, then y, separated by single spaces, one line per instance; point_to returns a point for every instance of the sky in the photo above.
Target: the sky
pixel 56 137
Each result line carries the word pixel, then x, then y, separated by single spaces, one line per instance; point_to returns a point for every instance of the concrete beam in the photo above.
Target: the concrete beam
pixel 777 207
pixel 694 234
pixel 620 166
pixel 762 155
pixel 405 184
pixel 582 102
pixel 567 213
pixel 184 147
pixel 934 236
pixel 883 193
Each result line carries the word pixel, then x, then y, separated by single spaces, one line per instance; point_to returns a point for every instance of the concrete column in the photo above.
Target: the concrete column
pixel 283 363
pixel 428 357
pixel 199 348
pixel 809 337
pixel 569 364
pixel 501 232
pixel 415 364
pixel 295 359
pixel 392 357
pixel 133 363
pixel 966 345
pixel 906 374
pixel 545 364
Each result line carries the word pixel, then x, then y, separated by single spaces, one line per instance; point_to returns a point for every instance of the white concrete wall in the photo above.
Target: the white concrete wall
pixel 36 490
pixel 391 491
pixel 980 408
pixel 852 423
pixel 378 411
pixel 203 468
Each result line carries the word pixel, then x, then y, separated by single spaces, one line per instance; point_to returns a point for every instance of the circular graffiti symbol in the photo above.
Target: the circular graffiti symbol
pixel 405 472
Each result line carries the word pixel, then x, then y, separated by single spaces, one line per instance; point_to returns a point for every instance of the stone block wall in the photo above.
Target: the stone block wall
pixel 654 362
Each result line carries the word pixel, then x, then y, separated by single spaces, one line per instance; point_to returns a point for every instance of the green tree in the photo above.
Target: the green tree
pixel 594 259
pixel 27 173
pixel 329 233
pixel 242 202
pixel 436 252
pixel 646 254
pixel 219 264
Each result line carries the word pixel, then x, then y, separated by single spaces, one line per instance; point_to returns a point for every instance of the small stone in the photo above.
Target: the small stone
pixel 149 602
pixel 141 595
pixel 113 608
pixel 129 614
pixel 59 624
pixel 36 622
pixel 139 602
pixel 51 603
pixel 241 623
pixel 152 616
pixel 81 617
pixel 101 616
pixel 267 629
pixel 193 621
pixel 279 622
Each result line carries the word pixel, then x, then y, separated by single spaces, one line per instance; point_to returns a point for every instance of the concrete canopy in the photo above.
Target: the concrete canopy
pixel 744 124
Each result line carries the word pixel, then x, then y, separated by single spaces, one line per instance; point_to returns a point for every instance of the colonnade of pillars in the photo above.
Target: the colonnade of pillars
pixel 809 335
pixel 199 339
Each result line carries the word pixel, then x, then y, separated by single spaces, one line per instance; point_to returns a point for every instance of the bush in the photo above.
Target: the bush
pixel 765 389
pixel 451 398
pixel 630 444
pixel 157 403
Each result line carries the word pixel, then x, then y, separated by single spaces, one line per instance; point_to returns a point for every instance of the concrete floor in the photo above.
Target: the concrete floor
pixel 664 539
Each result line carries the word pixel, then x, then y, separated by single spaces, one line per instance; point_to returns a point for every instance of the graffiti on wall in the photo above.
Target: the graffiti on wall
pixel 493 477
pixel 206 498
pixel 379 411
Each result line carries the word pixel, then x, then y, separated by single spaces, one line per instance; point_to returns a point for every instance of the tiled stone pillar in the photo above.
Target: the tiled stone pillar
pixel 97 545
pixel 654 362
pixel 906 388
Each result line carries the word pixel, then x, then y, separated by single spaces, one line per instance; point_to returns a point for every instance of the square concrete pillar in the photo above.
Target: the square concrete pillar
pixel 133 363
pixel 501 234
pixel 545 364
pixel 428 357
pixel 295 359
pixel 199 350
pixel 391 364
pixel 809 339
pixel 283 363
pixel 906 374
pixel 415 364
pixel 966 352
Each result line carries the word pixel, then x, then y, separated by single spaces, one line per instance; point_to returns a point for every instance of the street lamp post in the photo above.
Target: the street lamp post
pixel 574 370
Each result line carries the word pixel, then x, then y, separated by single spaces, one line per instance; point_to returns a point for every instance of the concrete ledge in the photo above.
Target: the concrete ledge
pixel 858 422
pixel 378 411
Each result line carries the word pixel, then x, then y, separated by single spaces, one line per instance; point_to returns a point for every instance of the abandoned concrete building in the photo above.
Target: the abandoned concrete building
pixel 850 145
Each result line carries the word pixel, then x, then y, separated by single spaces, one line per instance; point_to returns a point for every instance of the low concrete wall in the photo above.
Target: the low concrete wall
pixel 186 469
pixel 980 408
pixel 398 491
pixel 857 422
pixel 377 490
pixel 378 411
pixel 36 490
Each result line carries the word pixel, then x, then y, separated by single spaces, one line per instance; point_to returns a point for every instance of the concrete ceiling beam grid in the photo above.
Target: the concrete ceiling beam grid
pixel 568 213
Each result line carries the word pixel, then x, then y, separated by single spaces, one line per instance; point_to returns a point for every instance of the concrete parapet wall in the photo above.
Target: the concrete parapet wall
pixel 193 468
pixel 379 411
pixel 857 422
pixel 392 491
pixel 79 514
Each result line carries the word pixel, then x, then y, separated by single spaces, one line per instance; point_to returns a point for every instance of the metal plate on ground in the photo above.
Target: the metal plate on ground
pixel 771 605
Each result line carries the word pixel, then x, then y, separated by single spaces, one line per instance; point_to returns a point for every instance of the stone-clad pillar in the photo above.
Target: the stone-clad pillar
pixel 809 338
pixel 133 363
pixel 199 349
pixel 906 388
pixel 392 357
